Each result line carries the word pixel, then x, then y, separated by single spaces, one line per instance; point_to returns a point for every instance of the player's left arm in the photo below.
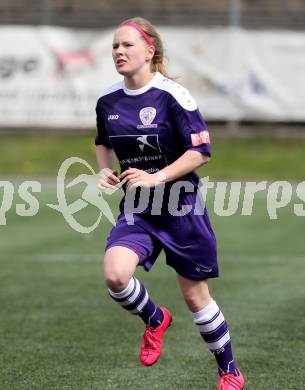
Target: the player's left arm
pixel 185 164
pixel 188 162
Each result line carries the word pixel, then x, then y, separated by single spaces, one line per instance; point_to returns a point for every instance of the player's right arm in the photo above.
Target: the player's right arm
pixel 104 153
pixel 108 177
pixel 104 157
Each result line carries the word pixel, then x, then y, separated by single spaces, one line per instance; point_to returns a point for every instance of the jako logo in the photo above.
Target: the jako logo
pixel 113 117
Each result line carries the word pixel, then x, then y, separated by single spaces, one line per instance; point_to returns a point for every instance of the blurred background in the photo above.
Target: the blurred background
pixel 244 63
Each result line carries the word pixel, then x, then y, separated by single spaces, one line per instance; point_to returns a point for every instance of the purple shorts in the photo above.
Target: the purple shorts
pixel 188 241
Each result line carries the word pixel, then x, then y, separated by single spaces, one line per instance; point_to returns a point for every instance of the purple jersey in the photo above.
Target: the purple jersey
pixel 149 128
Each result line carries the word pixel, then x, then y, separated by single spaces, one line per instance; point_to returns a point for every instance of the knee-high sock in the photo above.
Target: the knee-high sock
pixel 136 300
pixel 214 331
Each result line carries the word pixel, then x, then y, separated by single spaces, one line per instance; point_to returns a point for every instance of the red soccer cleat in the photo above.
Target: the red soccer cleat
pixel 230 382
pixel 151 346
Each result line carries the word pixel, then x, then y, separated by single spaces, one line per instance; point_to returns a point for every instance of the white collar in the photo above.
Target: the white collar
pixel 143 89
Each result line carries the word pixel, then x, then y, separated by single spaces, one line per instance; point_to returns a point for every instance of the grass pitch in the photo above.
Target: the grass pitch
pixel 60 330
pixel 259 158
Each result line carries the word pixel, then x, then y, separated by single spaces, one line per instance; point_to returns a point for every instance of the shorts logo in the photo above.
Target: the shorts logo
pixel 113 117
pixel 200 138
pixel 201 270
pixel 147 115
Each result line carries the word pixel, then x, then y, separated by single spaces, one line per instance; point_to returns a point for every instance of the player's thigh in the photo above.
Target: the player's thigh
pixel 119 266
pixel 195 293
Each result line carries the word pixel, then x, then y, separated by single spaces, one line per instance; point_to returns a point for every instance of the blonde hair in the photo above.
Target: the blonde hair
pixel 158 59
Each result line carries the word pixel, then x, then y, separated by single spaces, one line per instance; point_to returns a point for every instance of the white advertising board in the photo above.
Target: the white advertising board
pixel 51 77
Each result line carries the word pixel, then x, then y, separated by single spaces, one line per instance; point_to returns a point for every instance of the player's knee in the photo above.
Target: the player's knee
pixel 118 269
pixel 115 283
pixel 114 280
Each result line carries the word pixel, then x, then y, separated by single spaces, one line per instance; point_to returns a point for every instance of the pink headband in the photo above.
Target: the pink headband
pixel 141 31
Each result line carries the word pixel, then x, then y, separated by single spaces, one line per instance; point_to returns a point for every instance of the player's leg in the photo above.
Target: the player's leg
pixel 213 329
pixel 119 267
pixel 120 264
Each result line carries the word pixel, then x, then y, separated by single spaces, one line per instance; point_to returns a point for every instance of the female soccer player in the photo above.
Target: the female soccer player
pixel 153 126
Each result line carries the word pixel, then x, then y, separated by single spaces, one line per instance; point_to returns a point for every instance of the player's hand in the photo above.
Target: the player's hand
pixel 138 178
pixel 108 179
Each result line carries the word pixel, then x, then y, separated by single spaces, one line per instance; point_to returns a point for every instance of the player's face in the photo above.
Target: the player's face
pixel 129 52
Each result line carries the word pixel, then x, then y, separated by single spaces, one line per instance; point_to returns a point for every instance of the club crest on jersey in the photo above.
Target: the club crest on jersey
pixel 147 115
pixel 200 138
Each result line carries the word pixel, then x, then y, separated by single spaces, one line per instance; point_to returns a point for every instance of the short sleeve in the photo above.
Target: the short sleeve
pixel 101 131
pixel 191 127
